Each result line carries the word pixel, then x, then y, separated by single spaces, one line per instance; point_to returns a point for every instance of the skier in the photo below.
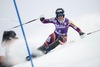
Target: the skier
pixel 59 36
pixel 61 28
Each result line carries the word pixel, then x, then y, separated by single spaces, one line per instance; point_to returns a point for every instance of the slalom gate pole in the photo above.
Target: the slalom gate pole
pixel 23 32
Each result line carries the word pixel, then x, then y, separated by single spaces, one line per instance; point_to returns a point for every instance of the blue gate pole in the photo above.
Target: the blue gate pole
pixel 23 32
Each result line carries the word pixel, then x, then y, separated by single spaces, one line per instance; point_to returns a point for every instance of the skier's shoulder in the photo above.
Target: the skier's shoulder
pixel 66 19
pixel 69 22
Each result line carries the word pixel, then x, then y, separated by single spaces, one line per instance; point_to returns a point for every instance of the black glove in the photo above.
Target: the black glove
pixel 81 33
pixel 42 18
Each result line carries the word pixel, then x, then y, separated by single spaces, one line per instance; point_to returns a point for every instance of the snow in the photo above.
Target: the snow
pixel 82 53
pixel 76 52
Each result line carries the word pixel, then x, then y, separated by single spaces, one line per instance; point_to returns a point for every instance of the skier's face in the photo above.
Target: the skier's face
pixel 60 18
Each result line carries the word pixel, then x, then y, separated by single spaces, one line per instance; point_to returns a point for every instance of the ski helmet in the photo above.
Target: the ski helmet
pixel 59 12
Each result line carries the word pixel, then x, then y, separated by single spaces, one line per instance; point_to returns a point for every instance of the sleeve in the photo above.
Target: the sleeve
pixel 51 20
pixel 71 24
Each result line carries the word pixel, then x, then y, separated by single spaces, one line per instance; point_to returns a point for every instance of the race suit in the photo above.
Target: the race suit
pixel 61 29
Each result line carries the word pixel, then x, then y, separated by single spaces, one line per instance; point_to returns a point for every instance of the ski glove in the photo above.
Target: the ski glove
pixel 42 18
pixel 81 33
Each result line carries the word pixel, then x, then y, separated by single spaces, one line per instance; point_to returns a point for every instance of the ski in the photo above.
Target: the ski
pixel 45 49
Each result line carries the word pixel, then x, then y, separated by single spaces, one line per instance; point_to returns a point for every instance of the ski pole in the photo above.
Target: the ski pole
pixel 93 32
pixel 25 23
pixel 22 24
pixel 28 22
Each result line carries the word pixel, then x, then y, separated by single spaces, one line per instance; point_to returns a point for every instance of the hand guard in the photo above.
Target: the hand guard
pixel 42 18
